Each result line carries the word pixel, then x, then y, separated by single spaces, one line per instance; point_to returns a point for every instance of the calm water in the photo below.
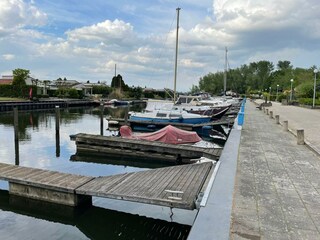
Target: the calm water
pixel 39 147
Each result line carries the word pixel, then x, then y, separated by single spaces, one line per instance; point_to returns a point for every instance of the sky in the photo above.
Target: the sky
pixel 84 40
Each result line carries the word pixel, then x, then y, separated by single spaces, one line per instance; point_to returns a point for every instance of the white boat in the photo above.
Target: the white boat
pixel 170 135
pixel 169 116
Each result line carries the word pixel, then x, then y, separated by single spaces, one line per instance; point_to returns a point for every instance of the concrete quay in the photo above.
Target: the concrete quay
pixel 277 184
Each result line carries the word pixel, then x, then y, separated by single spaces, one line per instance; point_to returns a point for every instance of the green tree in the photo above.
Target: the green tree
pixel 194 89
pixel 19 82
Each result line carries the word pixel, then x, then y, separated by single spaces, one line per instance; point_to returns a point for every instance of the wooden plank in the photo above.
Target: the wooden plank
pixel 149 186
pixel 197 182
pixel 42 178
pixel 91 142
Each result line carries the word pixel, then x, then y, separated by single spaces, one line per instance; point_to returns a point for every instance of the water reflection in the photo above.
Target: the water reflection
pixel 93 222
pixel 121 160
pixel 40 146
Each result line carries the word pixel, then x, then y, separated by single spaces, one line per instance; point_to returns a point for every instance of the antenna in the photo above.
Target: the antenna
pixel 225 72
pixel 176 59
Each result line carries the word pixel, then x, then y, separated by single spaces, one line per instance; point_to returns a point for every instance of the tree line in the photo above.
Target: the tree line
pixel 261 76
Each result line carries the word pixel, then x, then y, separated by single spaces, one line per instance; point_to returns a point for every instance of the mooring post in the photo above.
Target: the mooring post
pixel 277 119
pixel 300 136
pixel 285 125
pixel 57 119
pixel 271 114
pixel 101 118
pixel 57 109
pixel 126 113
pixel 16 134
pixel 267 111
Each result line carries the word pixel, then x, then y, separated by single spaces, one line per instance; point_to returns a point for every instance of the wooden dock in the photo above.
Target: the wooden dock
pixel 43 104
pixel 101 145
pixel 177 186
pixel 43 184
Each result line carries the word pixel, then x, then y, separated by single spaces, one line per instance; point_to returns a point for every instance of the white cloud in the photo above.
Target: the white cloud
pixel 115 32
pixel 252 30
pixel 16 14
pixel 8 57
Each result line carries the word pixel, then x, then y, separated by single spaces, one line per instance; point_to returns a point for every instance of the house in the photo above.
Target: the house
pixel 6 80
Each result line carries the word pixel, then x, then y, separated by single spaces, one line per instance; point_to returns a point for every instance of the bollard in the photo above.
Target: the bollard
pixel 267 111
pixel 300 136
pixel 285 125
pixel 277 119
pixel 264 109
pixel 271 114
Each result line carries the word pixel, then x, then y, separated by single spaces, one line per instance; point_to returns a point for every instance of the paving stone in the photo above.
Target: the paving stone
pixel 271 235
pixel 278 180
pixel 300 234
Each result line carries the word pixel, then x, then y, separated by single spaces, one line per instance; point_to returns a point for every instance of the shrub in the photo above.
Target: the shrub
pixel 305 90
pixel 308 101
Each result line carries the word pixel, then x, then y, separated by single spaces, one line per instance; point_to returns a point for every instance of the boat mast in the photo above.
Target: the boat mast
pixel 225 73
pixel 176 59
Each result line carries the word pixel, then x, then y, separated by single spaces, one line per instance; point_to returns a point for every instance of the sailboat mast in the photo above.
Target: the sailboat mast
pixel 176 59
pixel 225 73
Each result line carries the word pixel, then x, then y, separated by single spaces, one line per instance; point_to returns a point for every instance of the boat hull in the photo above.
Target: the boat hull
pixel 172 120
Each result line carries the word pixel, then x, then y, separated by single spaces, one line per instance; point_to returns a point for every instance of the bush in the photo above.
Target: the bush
pixel 308 101
pixel 6 91
pixel 305 90
pixel 282 96
pixel 73 93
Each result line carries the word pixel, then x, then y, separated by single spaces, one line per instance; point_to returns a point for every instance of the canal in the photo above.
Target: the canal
pixel 40 147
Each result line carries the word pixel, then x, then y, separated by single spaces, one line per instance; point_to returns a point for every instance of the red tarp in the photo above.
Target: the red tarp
pixel 168 134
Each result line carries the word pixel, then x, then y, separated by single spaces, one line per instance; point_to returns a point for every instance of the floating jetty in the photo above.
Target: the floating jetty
pixel 43 104
pixel 104 145
pixel 177 186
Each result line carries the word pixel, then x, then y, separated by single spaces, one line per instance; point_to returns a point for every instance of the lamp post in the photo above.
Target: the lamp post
pixel 269 94
pixel 277 92
pixel 291 89
pixel 314 87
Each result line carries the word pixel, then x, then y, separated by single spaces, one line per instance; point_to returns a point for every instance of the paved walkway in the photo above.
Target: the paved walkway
pixel 300 118
pixel 277 188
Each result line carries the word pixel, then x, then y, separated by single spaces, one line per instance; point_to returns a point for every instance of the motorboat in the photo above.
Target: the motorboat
pixel 170 116
pixel 168 134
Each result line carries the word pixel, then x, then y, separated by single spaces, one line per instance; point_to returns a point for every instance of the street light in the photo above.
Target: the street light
pixel 314 87
pixel 269 94
pixel 277 92
pixel 291 90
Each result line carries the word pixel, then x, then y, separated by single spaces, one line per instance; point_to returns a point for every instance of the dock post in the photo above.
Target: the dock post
pixel 57 109
pixel 16 134
pixel 126 113
pixel 57 119
pixel 277 119
pixel 285 125
pixel 271 114
pixel 300 136
pixel 267 111
pixel 101 118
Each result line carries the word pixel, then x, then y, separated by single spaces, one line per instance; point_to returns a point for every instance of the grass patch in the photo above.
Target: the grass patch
pixel 11 99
